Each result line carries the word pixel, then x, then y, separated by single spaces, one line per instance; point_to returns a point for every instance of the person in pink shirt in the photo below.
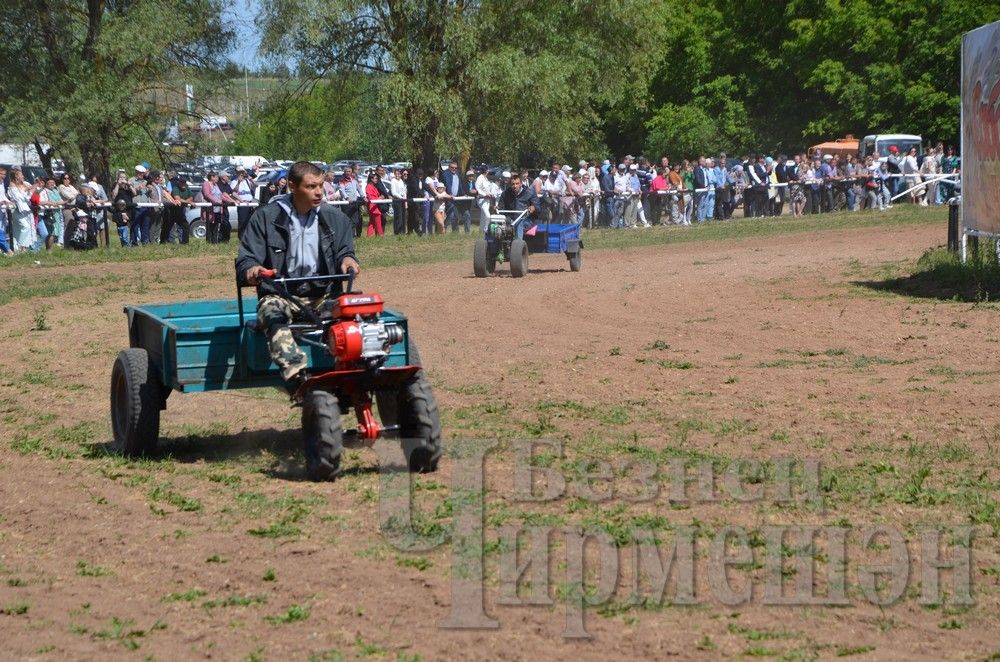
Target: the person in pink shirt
pixel 657 191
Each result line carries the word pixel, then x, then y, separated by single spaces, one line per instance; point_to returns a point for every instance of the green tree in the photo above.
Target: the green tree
pixel 782 75
pixel 459 75
pixel 83 75
pixel 901 72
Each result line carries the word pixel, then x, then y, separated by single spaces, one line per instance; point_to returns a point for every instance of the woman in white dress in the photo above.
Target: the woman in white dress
pixel 23 221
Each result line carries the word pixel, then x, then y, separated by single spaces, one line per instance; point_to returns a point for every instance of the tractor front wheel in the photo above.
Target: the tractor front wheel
pixel 483 264
pixel 518 258
pixel 415 410
pixel 322 435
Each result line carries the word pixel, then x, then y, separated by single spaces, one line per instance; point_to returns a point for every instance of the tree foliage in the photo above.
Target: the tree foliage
pixel 498 78
pixel 781 75
pixel 333 119
pixel 82 75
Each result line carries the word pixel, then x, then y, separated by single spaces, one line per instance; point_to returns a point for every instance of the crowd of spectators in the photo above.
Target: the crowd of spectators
pixel 159 207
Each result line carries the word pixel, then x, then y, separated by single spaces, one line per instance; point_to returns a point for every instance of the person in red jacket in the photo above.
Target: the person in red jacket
pixel 374 212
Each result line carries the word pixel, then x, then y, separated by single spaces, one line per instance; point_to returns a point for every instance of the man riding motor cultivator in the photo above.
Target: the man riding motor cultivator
pixel 358 351
pixel 512 241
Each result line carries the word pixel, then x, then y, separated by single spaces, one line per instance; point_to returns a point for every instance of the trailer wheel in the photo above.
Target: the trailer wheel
pixel 483 264
pixel 136 399
pixel 324 440
pixel 575 261
pixel 518 258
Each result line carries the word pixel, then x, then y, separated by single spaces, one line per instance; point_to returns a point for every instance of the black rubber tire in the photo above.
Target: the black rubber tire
pixel 414 408
pixel 480 259
pixel 136 399
pixel 322 435
pixel 198 230
pixel 518 258
pixel 576 261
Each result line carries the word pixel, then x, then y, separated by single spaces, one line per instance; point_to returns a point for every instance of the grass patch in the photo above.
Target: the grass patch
pixel 236 601
pixel 33 286
pixel 940 274
pixel 418 562
pixel 276 530
pixel 391 251
pixel 187 596
pixel 85 569
pixel 17 609
pixel 847 651
pixel 163 494
pixel 293 614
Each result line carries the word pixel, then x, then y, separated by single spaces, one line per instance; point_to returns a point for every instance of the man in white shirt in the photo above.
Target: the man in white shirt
pixel 245 190
pixel 397 189
pixel 553 189
pixel 621 191
pixel 485 193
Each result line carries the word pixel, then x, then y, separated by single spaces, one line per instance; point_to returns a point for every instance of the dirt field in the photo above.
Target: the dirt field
pixel 697 353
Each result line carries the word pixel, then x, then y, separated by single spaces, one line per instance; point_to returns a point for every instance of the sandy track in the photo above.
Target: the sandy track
pixel 775 331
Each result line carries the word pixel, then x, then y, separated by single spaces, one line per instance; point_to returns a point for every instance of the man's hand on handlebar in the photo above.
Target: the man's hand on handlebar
pixel 254 274
pixel 350 263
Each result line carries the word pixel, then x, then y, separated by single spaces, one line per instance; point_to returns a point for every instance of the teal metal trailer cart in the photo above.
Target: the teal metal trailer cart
pixel 215 345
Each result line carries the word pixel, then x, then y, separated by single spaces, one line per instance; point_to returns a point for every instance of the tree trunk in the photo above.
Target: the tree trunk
pixel 96 157
pixel 44 155
pixel 426 146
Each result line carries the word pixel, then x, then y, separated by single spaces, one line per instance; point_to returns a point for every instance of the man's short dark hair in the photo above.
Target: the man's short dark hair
pixel 300 169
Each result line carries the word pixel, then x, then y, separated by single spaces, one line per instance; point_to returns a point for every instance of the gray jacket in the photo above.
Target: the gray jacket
pixel 265 242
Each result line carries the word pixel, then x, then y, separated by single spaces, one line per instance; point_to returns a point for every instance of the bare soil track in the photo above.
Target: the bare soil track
pixel 757 348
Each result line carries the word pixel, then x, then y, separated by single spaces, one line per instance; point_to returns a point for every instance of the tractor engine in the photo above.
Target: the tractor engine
pixel 500 228
pixel 359 334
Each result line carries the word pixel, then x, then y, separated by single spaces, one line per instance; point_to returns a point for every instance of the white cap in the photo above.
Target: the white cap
pixel 140 168
pixel 543 173
pixel 566 168
pixel 581 172
pixel 633 167
pixel 583 164
pixel 506 174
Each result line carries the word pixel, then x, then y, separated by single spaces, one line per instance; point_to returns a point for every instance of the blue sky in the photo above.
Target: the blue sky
pixel 242 16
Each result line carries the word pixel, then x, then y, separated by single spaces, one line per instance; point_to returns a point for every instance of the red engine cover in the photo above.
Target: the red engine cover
pixel 346 339
pixel 349 305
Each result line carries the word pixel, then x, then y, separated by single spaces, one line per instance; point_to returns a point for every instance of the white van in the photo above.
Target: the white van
pixel 247 162
pixel 882 142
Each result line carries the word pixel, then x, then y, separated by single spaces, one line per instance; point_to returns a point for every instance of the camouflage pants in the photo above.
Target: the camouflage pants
pixel 273 316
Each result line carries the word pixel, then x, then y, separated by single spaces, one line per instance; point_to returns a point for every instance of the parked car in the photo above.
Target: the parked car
pixel 30 172
pixel 882 142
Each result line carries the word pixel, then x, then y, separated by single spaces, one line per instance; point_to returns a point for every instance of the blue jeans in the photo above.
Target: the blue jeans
pixel 850 198
pixel 123 234
pixel 4 242
pixel 707 209
pixel 520 226
pixel 43 234
pixel 139 228
pixel 615 207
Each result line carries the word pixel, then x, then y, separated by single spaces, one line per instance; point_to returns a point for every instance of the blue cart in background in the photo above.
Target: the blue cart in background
pixel 502 245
